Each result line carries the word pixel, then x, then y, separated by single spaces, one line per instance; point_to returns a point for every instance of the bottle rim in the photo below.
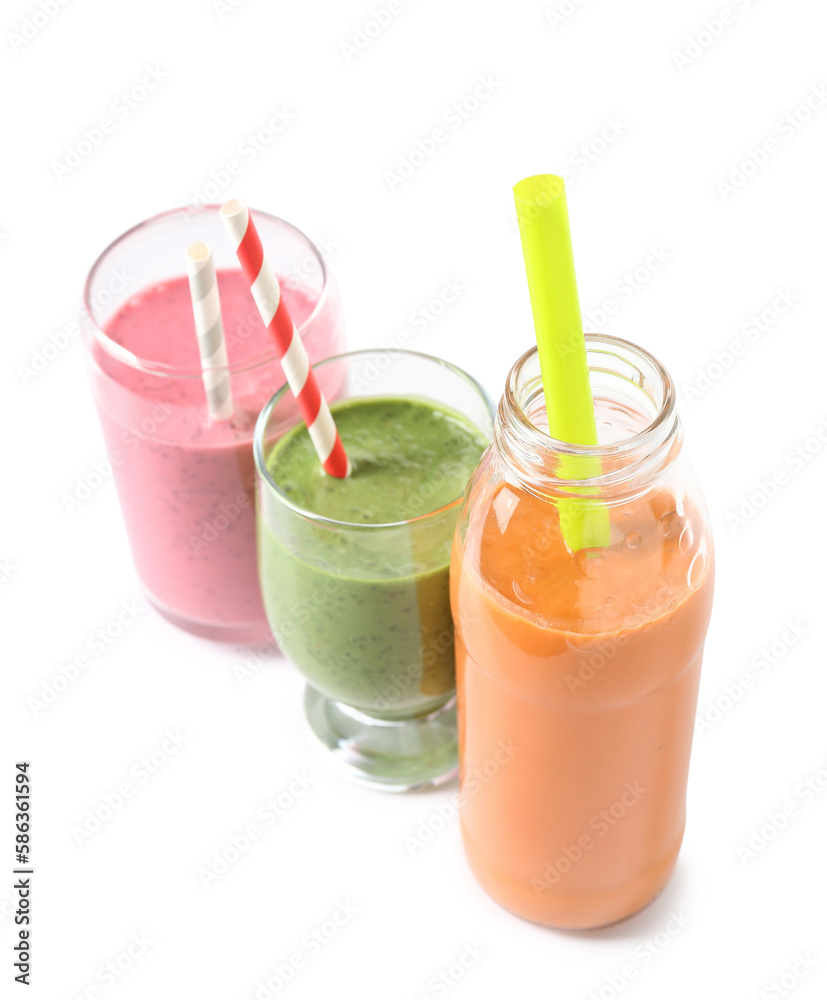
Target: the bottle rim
pixel 527 445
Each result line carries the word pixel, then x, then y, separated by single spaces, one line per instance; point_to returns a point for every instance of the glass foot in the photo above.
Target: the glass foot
pixel 392 756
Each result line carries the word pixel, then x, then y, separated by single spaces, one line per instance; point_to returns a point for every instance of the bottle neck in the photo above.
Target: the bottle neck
pixel 638 427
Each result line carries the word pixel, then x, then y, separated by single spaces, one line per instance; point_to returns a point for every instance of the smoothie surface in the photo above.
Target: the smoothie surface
pixel 157 324
pixel 409 457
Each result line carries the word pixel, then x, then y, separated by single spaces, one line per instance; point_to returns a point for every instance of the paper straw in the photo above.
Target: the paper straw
pixel 543 216
pixel 206 309
pixel 293 357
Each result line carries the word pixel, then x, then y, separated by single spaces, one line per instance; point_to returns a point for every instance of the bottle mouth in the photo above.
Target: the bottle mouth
pixel 622 374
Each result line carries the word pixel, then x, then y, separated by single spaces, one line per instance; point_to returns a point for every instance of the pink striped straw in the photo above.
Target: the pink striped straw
pixel 293 357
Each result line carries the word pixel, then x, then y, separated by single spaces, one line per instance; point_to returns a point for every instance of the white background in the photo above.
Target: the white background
pixel 680 128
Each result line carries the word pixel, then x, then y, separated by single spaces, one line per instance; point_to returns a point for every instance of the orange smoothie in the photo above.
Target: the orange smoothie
pixel 589 664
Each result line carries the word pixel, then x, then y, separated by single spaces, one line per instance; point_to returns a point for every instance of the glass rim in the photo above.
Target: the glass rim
pixel 542 439
pixel 132 359
pixel 320 519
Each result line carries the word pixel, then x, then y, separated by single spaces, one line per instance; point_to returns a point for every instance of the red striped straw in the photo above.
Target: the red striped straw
pixel 292 354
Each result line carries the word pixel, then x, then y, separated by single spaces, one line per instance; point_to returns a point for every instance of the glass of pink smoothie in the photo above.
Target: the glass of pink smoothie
pixel 185 482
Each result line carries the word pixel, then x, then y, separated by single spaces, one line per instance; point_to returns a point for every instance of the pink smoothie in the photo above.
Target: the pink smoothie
pixel 186 484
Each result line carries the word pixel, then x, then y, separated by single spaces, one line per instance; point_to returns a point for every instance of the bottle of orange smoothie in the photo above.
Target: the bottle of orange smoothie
pixel 586 662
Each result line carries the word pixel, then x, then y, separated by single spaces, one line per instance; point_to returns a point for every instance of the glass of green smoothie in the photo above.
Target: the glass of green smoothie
pixel 354 572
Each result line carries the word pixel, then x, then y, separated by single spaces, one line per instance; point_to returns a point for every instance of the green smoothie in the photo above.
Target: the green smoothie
pixel 359 600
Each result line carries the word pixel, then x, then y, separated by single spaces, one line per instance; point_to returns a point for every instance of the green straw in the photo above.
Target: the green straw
pixel 543 216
